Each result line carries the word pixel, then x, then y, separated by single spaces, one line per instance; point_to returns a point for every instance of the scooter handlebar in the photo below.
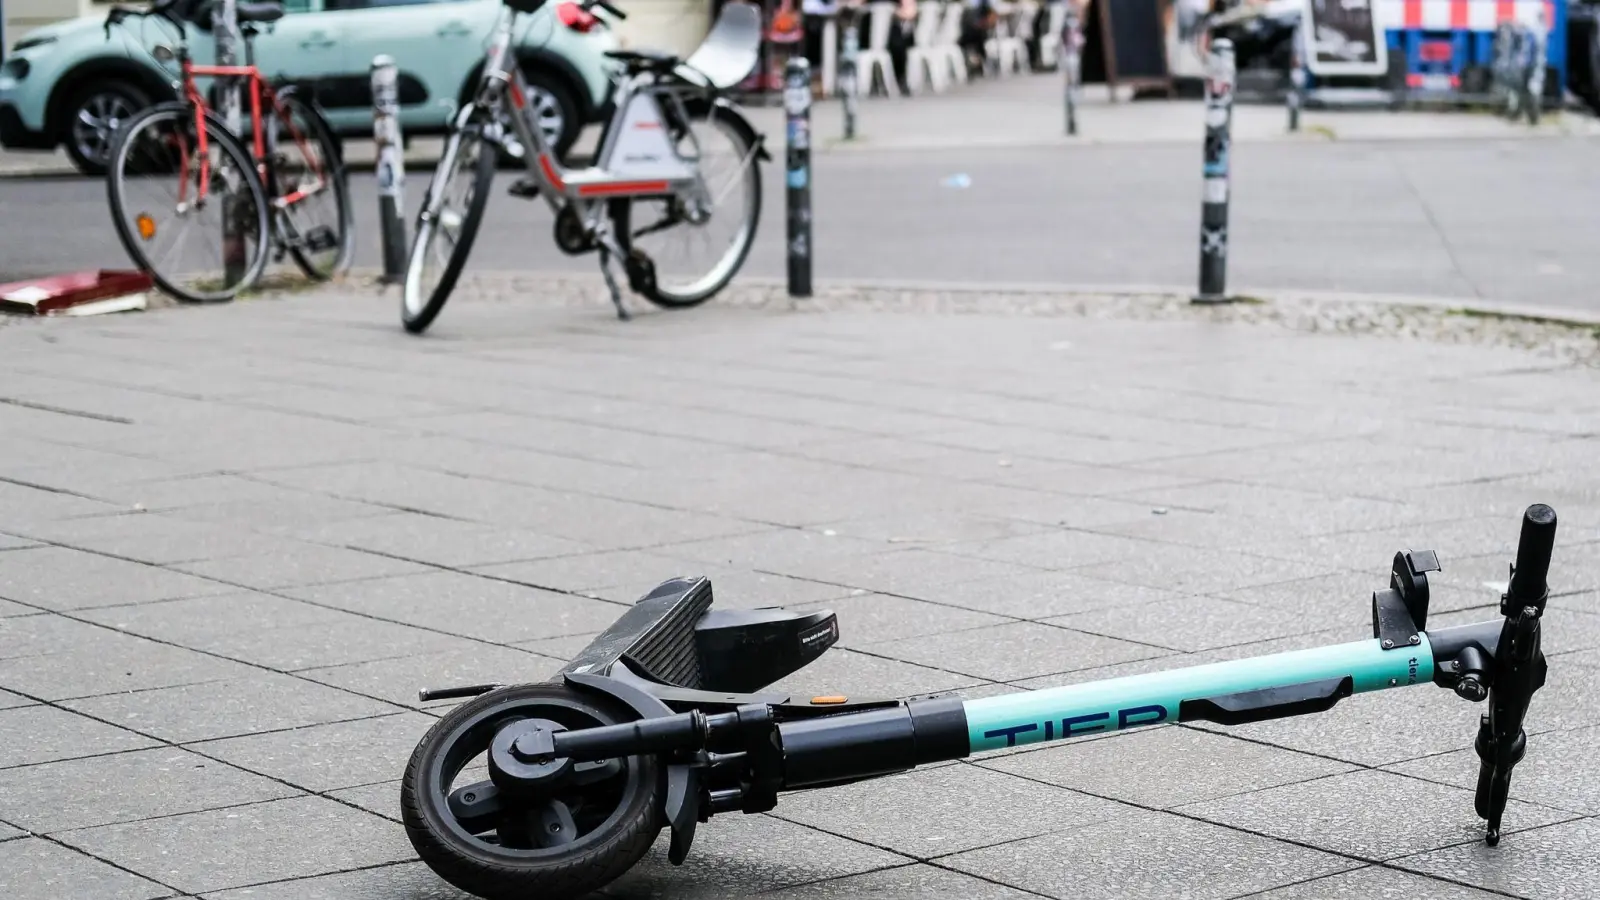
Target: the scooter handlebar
pixel 1528 580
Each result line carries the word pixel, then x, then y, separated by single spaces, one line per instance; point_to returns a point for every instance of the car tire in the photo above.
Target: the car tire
pixel 552 99
pixel 108 102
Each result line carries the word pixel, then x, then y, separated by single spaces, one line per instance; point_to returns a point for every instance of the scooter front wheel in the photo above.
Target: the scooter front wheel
pixel 499 839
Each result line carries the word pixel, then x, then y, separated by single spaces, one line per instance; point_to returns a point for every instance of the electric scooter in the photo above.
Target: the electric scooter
pixel 662 722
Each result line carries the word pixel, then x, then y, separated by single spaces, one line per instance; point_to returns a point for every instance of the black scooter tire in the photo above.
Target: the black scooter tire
pixel 483 870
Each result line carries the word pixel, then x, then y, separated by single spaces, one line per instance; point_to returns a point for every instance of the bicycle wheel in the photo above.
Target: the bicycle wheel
pixel 307 177
pixel 734 168
pixel 453 210
pixel 160 148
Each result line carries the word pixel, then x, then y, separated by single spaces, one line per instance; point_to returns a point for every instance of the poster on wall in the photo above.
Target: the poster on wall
pixel 1344 39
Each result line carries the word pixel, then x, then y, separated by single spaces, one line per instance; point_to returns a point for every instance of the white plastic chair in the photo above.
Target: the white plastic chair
pixel 1055 14
pixel 926 62
pixel 947 42
pixel 1006 52
pixel 872 60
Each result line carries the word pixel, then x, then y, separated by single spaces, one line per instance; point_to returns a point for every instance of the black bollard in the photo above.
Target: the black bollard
pixel 797 106
pixel 1296 97
pixel 1214 212
pixel 391 166
pixel 849 70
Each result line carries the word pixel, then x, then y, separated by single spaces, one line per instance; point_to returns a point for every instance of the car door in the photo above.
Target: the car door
pixel 435 44
pixel 305 47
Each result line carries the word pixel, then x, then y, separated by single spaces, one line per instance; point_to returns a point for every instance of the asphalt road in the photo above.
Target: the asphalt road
pixel 1514 221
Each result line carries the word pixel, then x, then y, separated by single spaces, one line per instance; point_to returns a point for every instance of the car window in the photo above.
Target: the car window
pixel 292 7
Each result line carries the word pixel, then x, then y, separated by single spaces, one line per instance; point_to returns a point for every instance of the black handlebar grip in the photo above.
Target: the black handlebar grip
pixel 610 9
pixel 1534 547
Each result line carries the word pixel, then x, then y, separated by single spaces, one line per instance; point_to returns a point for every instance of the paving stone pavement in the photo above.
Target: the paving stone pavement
pixel 234 541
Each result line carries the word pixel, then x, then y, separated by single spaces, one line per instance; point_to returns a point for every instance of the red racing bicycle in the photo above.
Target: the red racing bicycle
pixel 287 191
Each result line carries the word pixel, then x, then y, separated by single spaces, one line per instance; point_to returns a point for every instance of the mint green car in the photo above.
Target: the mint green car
pixel 69 84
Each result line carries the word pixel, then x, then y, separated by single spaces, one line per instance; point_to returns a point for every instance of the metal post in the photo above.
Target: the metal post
pixel 1071 62
pixel 797 106
pixel 1297 73
pixel 391 166
pixel 1214 212
pixel 849 75
pixel 224 25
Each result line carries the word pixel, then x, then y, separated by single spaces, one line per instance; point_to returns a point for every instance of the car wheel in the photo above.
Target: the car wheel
pixel 90 118
pixel 555 112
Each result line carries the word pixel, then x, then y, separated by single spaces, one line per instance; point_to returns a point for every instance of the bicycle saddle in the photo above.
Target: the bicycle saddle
pixel 645 60
pixel 263 11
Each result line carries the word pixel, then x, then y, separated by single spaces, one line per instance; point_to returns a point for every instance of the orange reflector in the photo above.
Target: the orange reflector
pixel 147 226
pixel 826 701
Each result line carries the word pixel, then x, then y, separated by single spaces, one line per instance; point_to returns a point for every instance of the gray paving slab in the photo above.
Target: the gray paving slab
pixel 438 541
pixel 1345 814
pixel 119 664
pixel 633 573
pixel 63 579
pixel 302 565
pixel 1044 595
pixel 126 787
pixel 1556 862
pixel 322 758
pixel 466 605
pixel 9 833
pixel 854 673
pixel 158 539
pixel 398 679
pixel 219 849
pixel 207 623
pixel 8 609
pixel 1376 883
pixel 904 882
pixel 12 542
pixel 1015 650
pixel 1550 774
pixel 873 618
pixel 735 856
pixel 55 734
pixel 1190 624
pixel 262 702
pixel 34 867
pixel 931 813
pixel 9 700
pixel 412 880
pixel 1147 854
pixel 1204 766
pixel 906 572
pixel 381 799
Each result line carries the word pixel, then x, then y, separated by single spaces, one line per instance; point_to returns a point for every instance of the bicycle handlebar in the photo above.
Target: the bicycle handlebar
pixel 590 4
pixel 1534 546
pixel 162 8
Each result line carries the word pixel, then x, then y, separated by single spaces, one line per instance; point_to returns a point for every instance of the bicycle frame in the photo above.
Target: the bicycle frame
pixel 636 157
pixel 257 89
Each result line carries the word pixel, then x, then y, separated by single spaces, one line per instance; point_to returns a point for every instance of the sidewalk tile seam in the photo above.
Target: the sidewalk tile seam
pixel 71 848
pixel 258 666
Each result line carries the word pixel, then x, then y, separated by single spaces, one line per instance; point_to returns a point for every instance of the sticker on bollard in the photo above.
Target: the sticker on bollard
pixel 1214 210
pixel 797 107
pixel 391 166
pixel 1071 63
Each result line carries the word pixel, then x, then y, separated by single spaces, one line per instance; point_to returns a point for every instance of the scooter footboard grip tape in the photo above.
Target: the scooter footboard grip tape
pixel 1534 548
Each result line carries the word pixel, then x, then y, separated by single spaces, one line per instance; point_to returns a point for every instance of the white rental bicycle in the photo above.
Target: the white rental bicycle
pixel 652 176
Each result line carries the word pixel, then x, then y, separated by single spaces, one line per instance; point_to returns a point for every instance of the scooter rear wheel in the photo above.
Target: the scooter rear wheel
pixel 616 815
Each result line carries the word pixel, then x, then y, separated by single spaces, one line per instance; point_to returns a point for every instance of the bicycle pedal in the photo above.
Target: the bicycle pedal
pixel 524 187
pixel 641 271
pixel 321 238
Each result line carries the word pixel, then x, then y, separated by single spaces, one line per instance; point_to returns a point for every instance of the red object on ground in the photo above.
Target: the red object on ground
pixel 61 293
